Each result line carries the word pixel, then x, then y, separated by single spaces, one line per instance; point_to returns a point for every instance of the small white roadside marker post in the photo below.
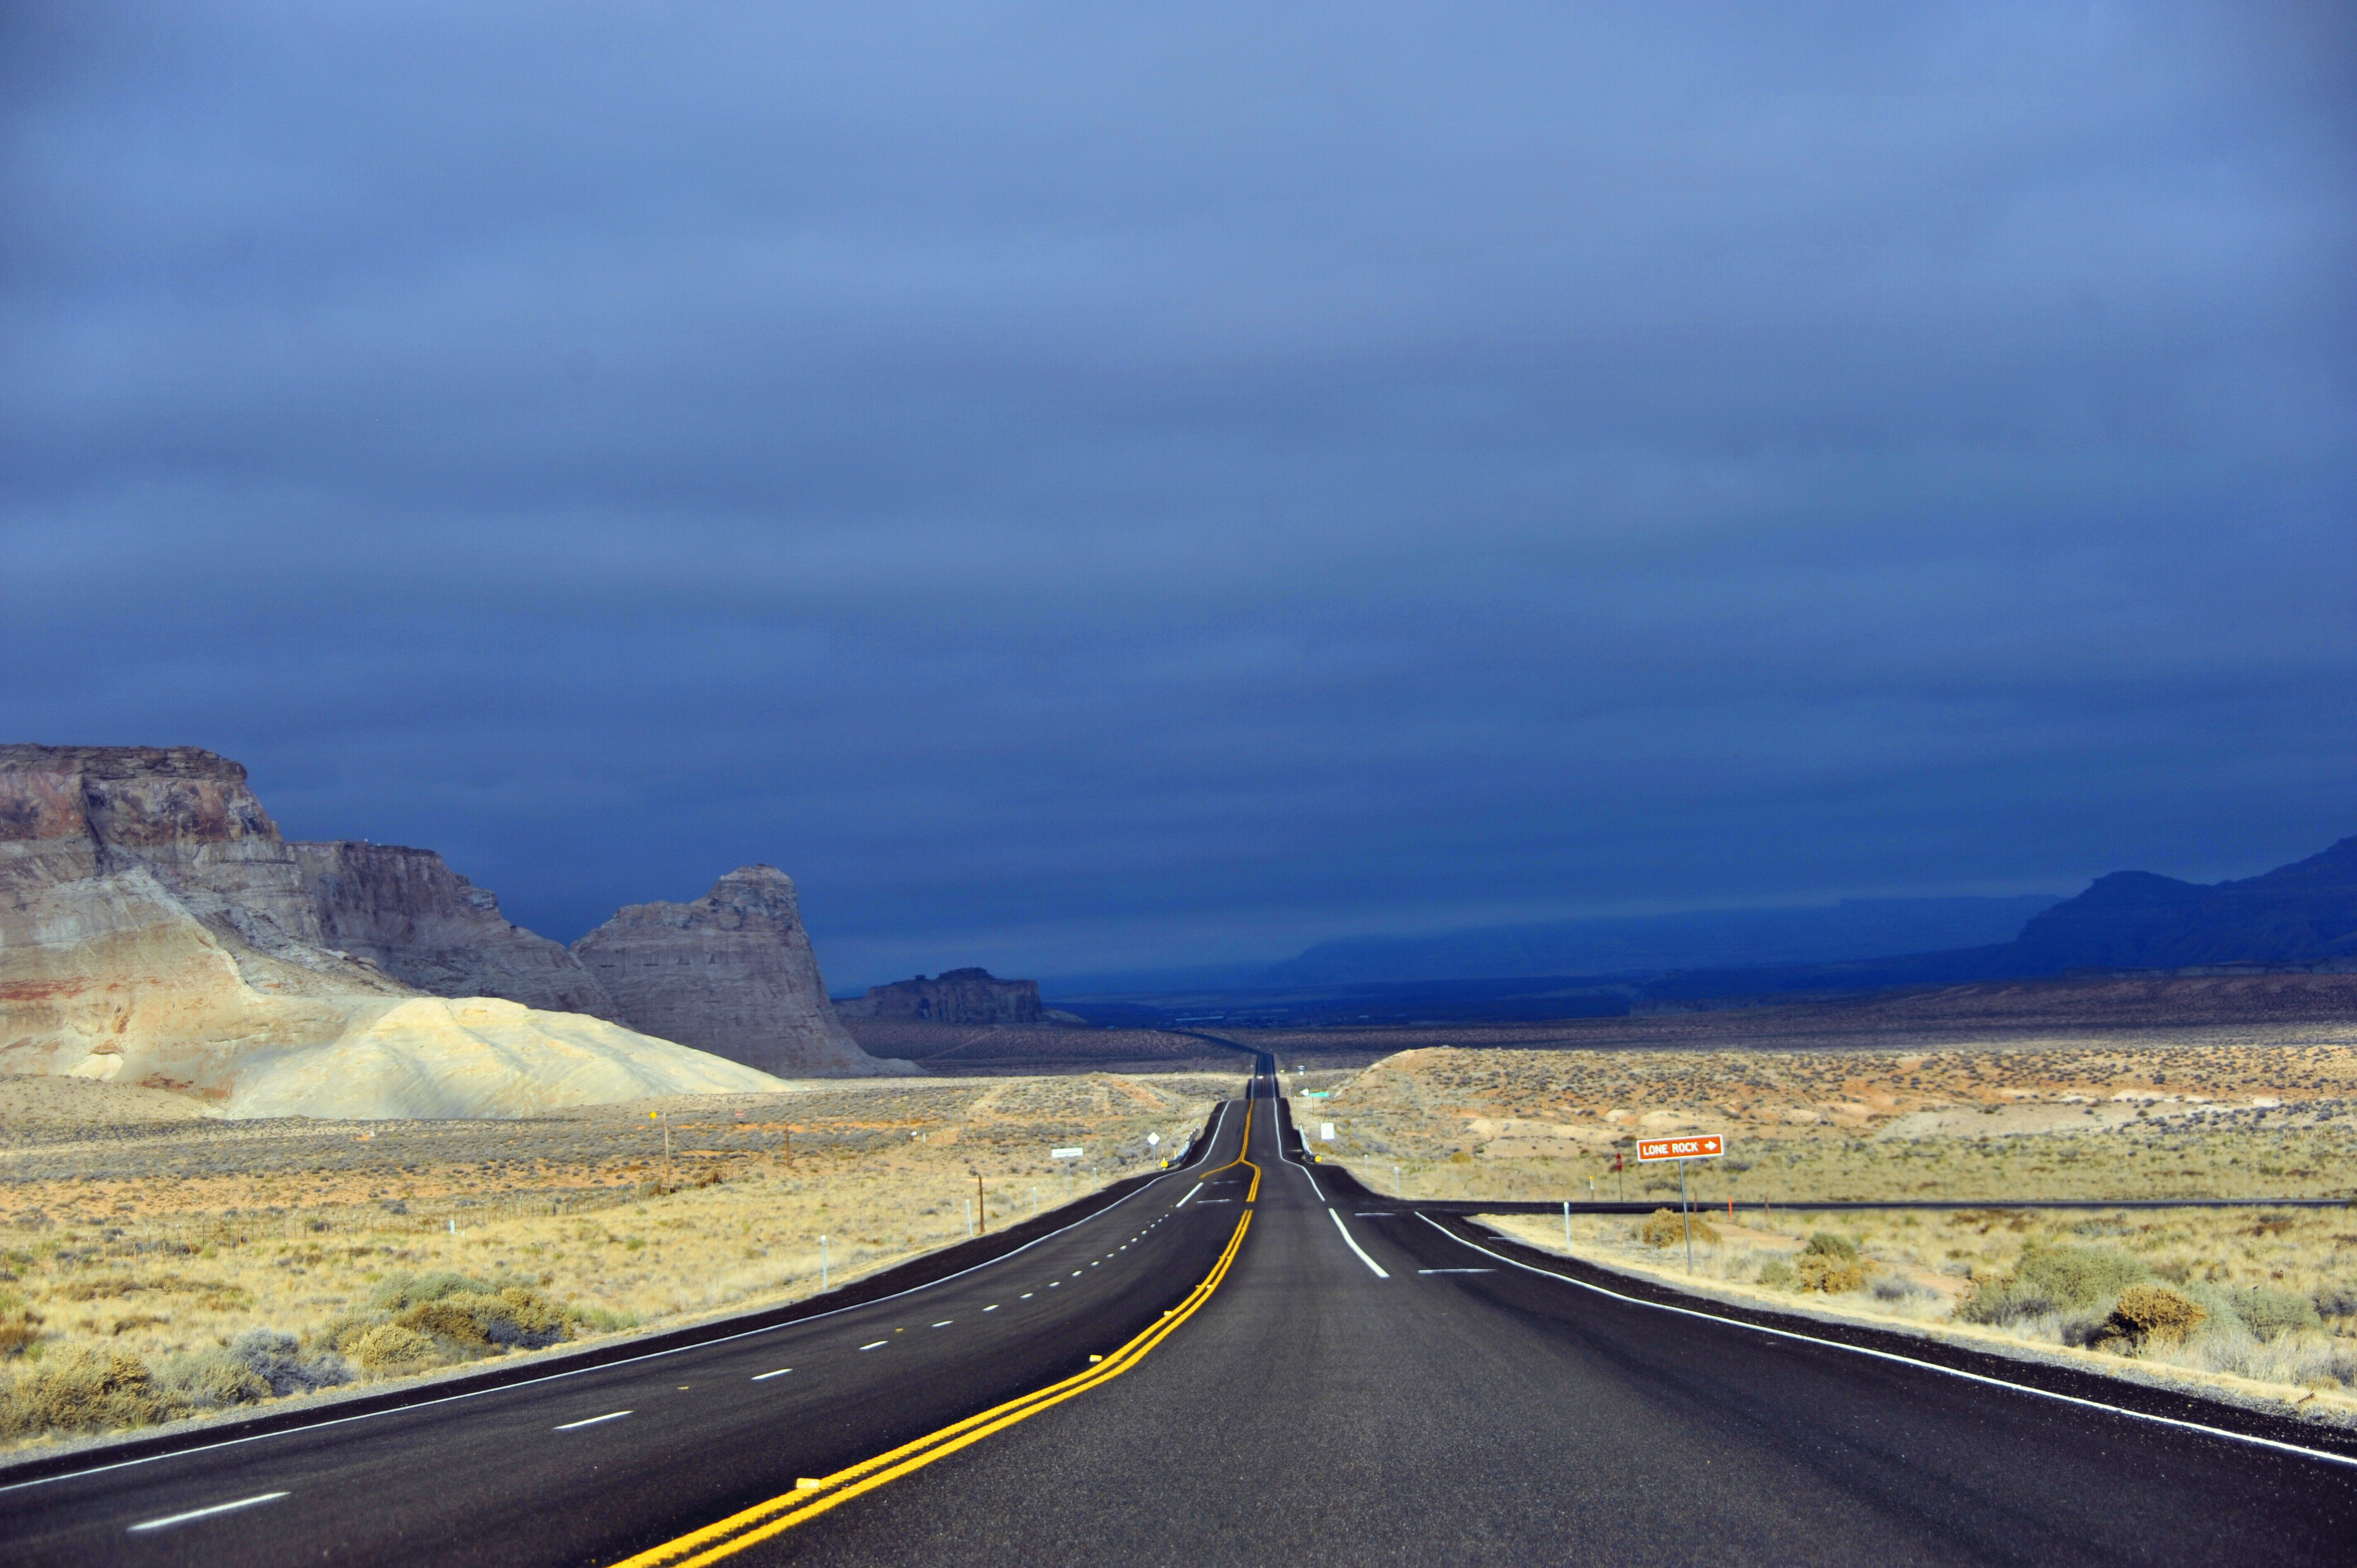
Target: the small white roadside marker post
pixel 821 1264
pixel 1567 1225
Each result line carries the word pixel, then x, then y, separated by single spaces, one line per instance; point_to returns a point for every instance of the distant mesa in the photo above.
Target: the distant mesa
pixel 156 929
pixel 971 997
pixel 732 974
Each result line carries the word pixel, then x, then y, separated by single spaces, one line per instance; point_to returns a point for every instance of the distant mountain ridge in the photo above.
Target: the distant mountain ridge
pixel 1705 939
pixel 2301 916
pixel 2302 912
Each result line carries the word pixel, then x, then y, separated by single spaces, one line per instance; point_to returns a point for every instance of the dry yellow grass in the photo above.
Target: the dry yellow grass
pixel 167 1240
pixel 2275 1290
pixel 1923 1269
pixel 2089 1121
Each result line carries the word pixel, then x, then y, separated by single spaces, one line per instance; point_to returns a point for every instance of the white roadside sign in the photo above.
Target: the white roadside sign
pixel 1064 1154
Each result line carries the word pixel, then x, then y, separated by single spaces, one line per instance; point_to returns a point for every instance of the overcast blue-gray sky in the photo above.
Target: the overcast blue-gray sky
pixel 1080 487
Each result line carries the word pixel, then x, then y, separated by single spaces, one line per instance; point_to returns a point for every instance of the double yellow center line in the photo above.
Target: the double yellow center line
pixel 811 1499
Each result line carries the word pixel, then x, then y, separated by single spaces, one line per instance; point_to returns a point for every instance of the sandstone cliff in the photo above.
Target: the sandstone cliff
pixel 959 996
pixel 426 926
pixel 185 816
pixel 731 973
pixel 155 929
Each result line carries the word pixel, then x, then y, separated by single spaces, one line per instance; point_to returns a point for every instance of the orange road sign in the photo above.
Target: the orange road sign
pixel 1708 1146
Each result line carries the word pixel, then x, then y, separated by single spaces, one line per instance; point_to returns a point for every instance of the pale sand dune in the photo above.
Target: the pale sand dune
pixel 436 1057
pixel 115 980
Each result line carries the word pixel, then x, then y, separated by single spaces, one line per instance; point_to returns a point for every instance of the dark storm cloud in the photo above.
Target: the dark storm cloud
pixel 1077 487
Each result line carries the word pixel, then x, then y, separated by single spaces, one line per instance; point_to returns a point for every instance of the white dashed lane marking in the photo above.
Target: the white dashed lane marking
pixel 765 1376
pixel 609 1415
pixel 168 1521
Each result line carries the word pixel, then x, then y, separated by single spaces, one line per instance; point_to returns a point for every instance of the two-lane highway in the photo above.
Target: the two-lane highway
pixel 1249 1361
pixel 595 1465
pixel 1366 1386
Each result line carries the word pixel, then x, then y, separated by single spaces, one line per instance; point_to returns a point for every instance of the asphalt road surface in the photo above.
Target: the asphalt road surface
pixel 1246 1361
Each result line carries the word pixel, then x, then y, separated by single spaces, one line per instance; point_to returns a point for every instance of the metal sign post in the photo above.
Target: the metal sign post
pixel 1708 1146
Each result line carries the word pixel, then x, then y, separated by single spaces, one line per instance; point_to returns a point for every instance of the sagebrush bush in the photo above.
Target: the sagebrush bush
pixel 2268 1313
pixel 85 1391
pixel 1777 1274
pixel 1667 1228
pixel 2149 1314
pixel 513 1318
pixel 282 1365
pixel 389 1347
pixel 18 1331
pixel 1829 1263
pixel 396 1291
pixel 213 1379
pixel 2077 1282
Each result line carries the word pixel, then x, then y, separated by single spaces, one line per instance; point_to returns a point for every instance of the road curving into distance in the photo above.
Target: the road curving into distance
pixel 1247 1360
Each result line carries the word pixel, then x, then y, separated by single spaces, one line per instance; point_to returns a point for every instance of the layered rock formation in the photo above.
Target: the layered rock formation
pixel 731 973
pixel 959 996
pixel 156 930
pixel 422 923
pixel 184 816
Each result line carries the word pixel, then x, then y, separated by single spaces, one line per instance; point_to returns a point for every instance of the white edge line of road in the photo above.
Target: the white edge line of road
pixel 1352 1242
pixel 1908 1360
pixel 171 1519
pixel 1219 1119
pixel 1303 1166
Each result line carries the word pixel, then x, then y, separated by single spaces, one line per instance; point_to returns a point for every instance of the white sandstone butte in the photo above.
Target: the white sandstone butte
pixel 156 930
